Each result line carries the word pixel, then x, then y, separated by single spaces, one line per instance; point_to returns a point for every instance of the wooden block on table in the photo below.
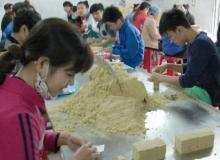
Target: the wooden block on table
pixel 194 141
pixel 152 150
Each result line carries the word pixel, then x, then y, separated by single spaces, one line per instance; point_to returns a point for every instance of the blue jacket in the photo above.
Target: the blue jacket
pixel 131 45
pixel 170 48
pixel 8 30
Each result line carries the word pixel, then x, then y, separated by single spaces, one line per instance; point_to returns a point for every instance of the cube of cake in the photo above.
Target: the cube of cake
pixel 194 141
pixel 152 150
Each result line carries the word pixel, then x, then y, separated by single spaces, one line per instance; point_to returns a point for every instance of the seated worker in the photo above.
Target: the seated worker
pixel 17 7
pixel 203 61
pixel 70 11
pixel 104 31
pixel 50 61
pixel 23 23
pixel 131 43
pixel 7 18
pixel 83 19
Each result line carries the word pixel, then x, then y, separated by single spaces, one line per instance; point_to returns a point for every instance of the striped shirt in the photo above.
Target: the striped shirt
pixel 23 126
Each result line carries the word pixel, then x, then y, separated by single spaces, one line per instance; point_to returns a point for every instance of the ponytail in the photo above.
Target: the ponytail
pixel 8 61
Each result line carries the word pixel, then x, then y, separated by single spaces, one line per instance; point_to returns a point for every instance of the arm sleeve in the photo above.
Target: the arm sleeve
pixel 50 141
pixel 36 137
pixel 129 50
pixel 199 59
pixel 117 49
pixel 27 139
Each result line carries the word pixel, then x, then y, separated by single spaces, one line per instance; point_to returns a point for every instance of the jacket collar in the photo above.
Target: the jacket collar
pixel 27 92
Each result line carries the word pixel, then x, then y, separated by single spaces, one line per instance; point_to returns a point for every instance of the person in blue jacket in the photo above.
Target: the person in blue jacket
pixel 8 30
pixel 170 48
pixel 17 7
pixel 131 44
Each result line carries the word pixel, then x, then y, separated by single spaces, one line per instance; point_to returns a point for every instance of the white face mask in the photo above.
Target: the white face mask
pixel 41 85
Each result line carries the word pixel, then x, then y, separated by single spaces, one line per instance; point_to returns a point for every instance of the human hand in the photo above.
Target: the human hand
pixel 86 152
pixel 155 77
pixel 74 142
pixel 161 69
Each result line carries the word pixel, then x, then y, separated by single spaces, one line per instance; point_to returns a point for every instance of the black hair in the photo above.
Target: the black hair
pixel 86 3
pixel 171 19
pixel 21 6
pixel 74 8
pixel 96 7
pixel 144 5
pixel 53 38
pixel 67 4
pixel 186 6
pixel 7 6
pixel 135 5
pixel 175 6
pixel 112 14
pixel 25 17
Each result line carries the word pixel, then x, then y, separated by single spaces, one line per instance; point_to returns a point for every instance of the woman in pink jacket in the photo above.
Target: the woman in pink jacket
pixel 50 58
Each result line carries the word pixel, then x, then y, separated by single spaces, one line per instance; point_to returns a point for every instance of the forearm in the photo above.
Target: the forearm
pixel 107 41
pixel 63 138
pixel 170 80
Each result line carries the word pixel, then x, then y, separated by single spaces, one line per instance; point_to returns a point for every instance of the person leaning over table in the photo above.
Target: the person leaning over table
pixel 104 33
pixel 51 56
pixel 23 23
pixel 131 44
pixel 200 75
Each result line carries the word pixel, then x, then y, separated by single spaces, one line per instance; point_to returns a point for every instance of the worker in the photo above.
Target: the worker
pixel 203 62
pixel 53 53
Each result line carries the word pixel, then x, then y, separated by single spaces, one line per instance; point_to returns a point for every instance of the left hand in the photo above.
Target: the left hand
pixel 74 142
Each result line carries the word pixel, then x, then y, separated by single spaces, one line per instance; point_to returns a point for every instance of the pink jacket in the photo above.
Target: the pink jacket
pixel 22 123
pixel 139 19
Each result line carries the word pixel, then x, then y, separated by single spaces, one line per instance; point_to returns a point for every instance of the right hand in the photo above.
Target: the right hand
pixel 86 152
pixel 161 69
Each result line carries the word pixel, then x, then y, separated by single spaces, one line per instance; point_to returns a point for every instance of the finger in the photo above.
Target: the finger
pixel 83 141
pixel 93 149
pixel 88 144
pixel 96 156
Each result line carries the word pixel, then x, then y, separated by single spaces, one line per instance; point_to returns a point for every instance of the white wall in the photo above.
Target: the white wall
pixel 201 9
